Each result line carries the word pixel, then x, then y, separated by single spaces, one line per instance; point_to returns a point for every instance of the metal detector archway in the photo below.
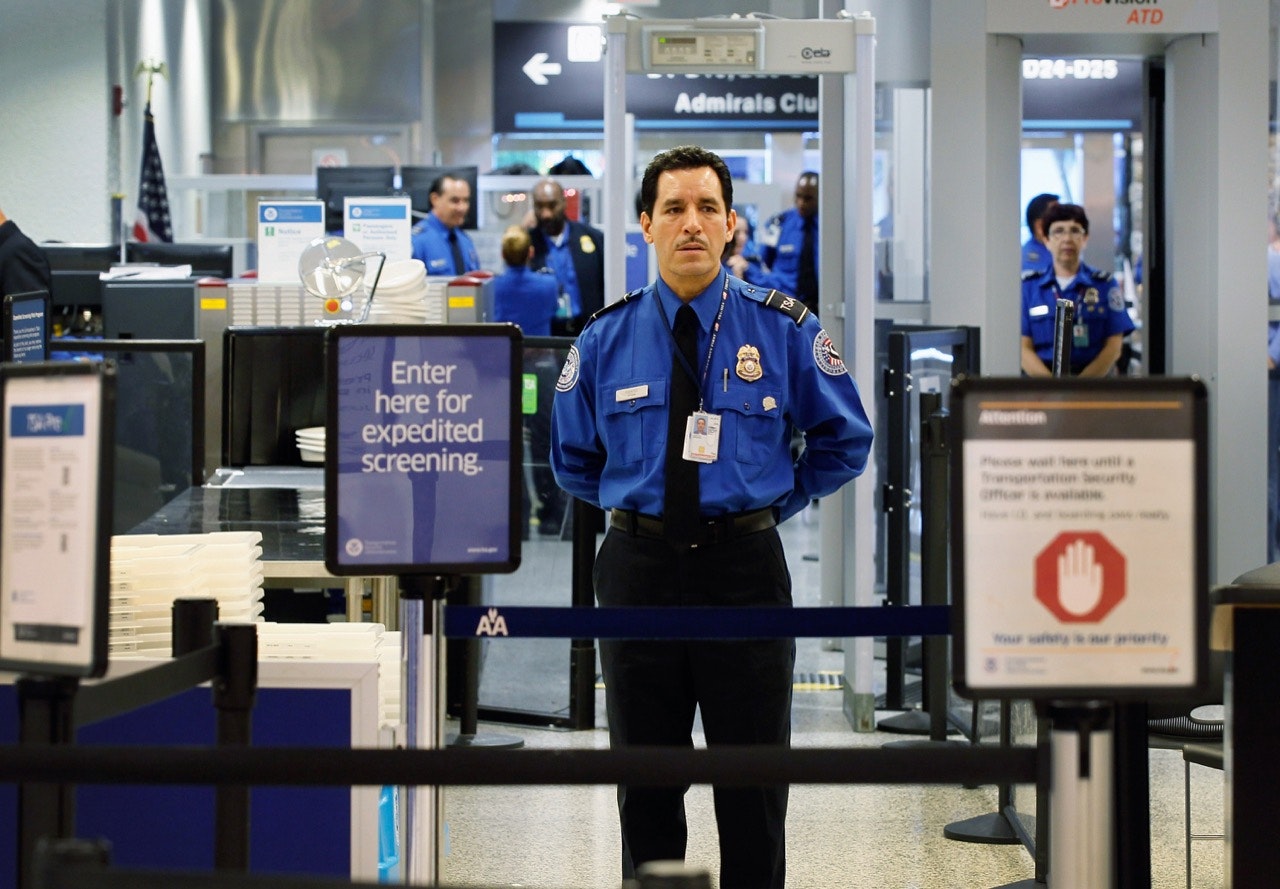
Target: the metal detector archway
pixel 841 52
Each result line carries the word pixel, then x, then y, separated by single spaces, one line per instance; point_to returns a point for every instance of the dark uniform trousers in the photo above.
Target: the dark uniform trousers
pixel 743 689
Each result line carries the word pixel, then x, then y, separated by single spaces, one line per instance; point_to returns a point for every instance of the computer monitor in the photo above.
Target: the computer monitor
pixel 205 259
pixel 75 269
pixel 416 183
pixel 273 384
pixel 335 184
pixel 81 257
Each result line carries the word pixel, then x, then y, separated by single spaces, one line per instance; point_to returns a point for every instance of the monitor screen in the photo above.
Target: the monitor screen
pixel 81 257
pixel 416 183
pixel 212 260
pixel 273 385
pixel 160 418
pixel 335 184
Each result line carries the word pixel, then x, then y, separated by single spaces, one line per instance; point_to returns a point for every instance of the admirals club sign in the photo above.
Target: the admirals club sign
pixel 549 77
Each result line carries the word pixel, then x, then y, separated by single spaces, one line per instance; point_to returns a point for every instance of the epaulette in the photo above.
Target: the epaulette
pixel 788 305
pixel 617 304
pixel 1100 275
pixel 545 270
pixel 1028 274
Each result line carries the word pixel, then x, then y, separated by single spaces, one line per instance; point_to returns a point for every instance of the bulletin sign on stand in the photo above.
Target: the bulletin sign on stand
pixel 1080 525
pixel 55 516
pixel 424 443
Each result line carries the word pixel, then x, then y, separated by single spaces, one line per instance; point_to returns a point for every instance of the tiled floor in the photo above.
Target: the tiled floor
pixel 851 836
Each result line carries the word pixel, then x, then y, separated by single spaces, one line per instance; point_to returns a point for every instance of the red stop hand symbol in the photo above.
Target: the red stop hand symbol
pixel 1080 577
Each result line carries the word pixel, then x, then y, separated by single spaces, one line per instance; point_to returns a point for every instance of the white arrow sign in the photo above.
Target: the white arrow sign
pixel 538 68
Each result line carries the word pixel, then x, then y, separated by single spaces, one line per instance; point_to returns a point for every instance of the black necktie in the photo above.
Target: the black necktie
pixel 459 265
pixel 680 504
pixel 807 276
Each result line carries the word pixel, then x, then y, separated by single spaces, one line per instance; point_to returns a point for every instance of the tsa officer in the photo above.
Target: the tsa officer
pixel 1035 252
pixel 1101 318
pixel 573 250
pixel 789 243
pixel 439 241
pixel 694 505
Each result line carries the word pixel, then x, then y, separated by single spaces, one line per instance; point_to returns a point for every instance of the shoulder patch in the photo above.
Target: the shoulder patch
pixel 826 356
pixel 569 373
pixel 788 305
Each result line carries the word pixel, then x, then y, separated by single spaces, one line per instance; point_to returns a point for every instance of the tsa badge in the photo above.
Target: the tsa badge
pixel 1091 296
pixel 749 364
pixel 826 356
pixel 587 245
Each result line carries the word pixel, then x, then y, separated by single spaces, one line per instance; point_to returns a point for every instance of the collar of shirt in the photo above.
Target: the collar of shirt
pixel 434 222
pixel 560 239
pixel 705 304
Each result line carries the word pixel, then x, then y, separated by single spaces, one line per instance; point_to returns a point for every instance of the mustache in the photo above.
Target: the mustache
pixel 687 241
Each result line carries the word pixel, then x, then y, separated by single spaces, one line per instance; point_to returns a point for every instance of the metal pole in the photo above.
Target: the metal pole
pixel 1081 795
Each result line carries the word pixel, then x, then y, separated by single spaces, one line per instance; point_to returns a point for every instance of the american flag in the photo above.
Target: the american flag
pixel 152 220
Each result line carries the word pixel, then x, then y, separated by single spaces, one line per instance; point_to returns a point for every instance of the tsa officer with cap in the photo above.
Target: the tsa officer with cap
pixel 1101 319
pixel 674 411
pixel 439 241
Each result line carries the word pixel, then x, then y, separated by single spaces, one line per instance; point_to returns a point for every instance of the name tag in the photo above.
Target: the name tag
pixel 632 393
pixel 1037 311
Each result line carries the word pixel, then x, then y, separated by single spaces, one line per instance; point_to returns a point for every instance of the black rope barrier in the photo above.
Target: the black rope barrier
pixel 649 766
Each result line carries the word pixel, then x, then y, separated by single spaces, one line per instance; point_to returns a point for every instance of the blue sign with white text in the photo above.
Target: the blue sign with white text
pixel 423 449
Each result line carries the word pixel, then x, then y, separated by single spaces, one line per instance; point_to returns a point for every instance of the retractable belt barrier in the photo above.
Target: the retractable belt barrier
pixel 464 621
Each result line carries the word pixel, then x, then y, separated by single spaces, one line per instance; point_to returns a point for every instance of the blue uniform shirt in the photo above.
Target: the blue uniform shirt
pixel 767 374
pixel 527 298
pixel 780 240
pixel 560 261
pixel 431 245
pixel 1035 256
pixel 1099 312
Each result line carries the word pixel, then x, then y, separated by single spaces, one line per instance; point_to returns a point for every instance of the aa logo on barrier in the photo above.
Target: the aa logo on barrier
pixel 492 624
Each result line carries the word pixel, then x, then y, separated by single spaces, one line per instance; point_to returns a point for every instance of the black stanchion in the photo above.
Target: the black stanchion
pixel 234 690
pixel 468 734
pixel 588 522
pixel 44 809
pixel 933 718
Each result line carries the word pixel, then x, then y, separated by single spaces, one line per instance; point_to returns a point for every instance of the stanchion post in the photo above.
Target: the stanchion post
pixel 45 717
pixel 234 690
pixel 1081 797
pixel 588 521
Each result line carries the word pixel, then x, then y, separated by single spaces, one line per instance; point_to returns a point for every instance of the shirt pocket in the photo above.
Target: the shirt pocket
pixel 635 419
pixel 751 421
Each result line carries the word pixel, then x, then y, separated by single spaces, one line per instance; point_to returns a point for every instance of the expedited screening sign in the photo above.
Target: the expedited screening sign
pixel 423 449
pixel 1079 562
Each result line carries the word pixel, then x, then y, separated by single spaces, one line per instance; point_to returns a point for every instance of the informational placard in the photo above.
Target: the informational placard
pixel 285 228
pixel 55 496
pixel 423 449
pixel 379 225
pixel 1101 17
pixel 26 326
pixel 1079 529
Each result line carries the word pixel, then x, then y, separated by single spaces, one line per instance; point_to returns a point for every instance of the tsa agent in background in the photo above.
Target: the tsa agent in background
pixel 694 506
pixel 574 251
pixel 1101 317
pixel 438 240
pixel 1035 252
pixel 789 246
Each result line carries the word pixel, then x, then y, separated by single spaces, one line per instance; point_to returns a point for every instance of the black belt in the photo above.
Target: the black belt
pixel 713 530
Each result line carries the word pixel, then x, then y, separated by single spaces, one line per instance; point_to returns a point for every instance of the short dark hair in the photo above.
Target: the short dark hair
pixel 1036 208
pixel 683 157
pixel 437 184
pixel 1066 213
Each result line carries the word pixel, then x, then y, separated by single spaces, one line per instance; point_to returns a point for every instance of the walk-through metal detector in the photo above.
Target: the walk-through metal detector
pixel 840 51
